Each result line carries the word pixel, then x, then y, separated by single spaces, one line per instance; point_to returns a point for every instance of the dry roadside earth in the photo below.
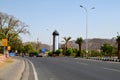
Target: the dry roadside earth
pixel 11 69
pixel 4 64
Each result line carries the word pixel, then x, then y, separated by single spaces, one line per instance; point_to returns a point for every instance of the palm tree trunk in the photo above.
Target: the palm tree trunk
pixel 80 50
pixel 118 51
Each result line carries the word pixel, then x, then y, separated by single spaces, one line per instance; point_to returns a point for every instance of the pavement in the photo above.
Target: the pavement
pixel 17 68
pixel 65 68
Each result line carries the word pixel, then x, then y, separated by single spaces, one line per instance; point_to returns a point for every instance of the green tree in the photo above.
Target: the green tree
pixel 9 24
pixel 28 48
pixel 16 44
pixel 79 41
pixel 10 28
pixel 107 49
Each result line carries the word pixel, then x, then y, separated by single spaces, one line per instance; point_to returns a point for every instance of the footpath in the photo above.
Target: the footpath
pixel 15 68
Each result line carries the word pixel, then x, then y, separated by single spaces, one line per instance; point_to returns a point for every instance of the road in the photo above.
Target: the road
pixel 63 68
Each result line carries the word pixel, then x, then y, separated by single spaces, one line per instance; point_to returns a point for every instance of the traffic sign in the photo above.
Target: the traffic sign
pixel 44 50
pixel 8 47
pixel 4 42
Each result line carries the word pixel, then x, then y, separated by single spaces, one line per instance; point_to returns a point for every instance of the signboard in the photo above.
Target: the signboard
pixel 9 48
pixel 12 54
pixel 44 50
pixel 4 42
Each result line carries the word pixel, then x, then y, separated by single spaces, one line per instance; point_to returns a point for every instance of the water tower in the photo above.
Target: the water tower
pixel 55 40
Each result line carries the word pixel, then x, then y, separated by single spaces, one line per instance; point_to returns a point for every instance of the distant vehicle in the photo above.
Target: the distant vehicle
pixel 31 55
pixel 39 55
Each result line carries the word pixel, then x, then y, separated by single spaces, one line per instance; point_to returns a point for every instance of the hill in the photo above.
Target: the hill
pixel 94 44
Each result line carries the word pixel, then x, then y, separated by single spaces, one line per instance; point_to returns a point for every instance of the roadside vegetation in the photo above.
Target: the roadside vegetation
pixel 106 50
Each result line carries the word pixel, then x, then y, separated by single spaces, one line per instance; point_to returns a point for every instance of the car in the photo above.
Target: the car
pixel 39 55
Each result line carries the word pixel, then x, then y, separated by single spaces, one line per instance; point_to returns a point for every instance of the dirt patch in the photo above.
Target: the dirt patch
pixel 6 62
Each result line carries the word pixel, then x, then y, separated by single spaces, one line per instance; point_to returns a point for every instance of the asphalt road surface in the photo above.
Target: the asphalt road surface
pixel 63 68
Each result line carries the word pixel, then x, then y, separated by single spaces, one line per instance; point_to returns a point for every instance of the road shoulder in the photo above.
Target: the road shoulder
pixel 14 70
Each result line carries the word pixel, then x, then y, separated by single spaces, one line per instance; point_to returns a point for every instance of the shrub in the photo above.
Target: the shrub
pixel 50 53
pixel 58 52
pixel 69 52
pixel 33 53
pixel 83 53
pixel 95 53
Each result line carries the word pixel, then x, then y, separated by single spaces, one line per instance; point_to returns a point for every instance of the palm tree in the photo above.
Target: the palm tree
pixel 118 42
pixel 79 41
pixel 66 39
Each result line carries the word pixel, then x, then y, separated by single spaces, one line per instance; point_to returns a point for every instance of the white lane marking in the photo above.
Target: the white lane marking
pixel 34 70
pixel 112 69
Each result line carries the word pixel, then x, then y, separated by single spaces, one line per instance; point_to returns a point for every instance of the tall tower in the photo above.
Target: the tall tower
pixel 55 40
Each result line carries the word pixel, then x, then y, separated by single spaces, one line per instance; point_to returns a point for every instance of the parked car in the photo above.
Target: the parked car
pixel 39 55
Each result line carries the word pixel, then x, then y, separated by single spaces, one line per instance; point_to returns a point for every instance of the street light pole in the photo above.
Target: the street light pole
pixel 86 26
pixel 50 39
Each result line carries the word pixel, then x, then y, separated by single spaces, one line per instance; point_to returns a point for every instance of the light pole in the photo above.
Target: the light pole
pixel 50 38
pixel 37 44
pixel 86 26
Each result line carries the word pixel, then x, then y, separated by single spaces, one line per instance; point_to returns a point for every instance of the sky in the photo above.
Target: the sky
pixel 65 16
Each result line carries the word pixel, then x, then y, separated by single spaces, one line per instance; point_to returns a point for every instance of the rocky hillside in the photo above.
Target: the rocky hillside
pixel 94 44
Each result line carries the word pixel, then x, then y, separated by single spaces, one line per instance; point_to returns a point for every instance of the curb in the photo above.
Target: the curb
pixel 25 73
pixel 21 69
pixel 106 59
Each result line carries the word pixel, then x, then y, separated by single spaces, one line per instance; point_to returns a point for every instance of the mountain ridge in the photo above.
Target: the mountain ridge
pixel 94 44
